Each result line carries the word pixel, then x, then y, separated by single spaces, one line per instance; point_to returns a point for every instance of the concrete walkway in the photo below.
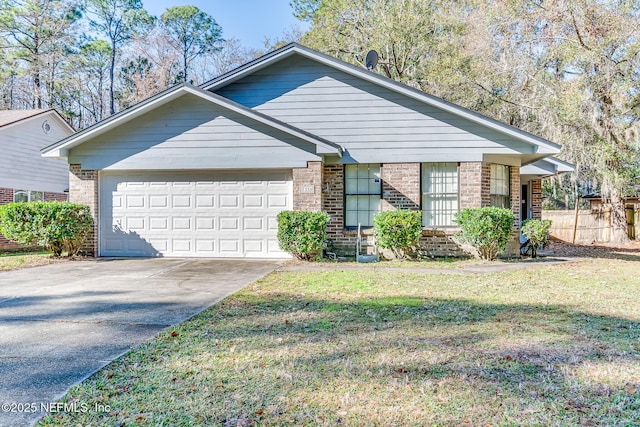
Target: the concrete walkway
pixel 60 323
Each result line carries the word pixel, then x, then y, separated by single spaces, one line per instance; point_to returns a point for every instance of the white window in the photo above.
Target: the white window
pixel 363 192
pixel 439 194
pixel 499 188
pixel 20 196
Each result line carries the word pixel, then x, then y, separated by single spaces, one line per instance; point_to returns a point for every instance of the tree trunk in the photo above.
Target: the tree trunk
pixel 112 107
pixel 619 234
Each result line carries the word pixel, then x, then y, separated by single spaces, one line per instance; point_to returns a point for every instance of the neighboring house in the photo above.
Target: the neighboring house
pixel 204 171
pixel 24 174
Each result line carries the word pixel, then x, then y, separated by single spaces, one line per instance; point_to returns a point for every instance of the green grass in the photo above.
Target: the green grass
pixel 548 345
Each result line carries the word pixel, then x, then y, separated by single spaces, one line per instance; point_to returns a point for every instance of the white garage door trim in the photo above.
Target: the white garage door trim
pixel 229 214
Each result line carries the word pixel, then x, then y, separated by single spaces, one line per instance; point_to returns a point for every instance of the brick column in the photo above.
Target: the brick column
pixel 333 199
pixel 400 186
pixel 515 189
pixel 83 188
pixel 307 187
pixel 513 247
pixel 475 185
pixel 536 198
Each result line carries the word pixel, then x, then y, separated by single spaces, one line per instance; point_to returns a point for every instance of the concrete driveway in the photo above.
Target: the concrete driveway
pixel 60 323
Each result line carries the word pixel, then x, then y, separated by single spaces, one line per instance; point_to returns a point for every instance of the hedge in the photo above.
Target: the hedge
pixel 55 226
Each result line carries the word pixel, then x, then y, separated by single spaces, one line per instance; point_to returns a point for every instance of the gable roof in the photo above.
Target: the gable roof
pixel 547 167
pixel 10 117
pixel 61 148
pixel 542 145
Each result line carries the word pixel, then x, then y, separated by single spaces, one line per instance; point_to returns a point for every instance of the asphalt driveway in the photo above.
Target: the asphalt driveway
pixel 62 322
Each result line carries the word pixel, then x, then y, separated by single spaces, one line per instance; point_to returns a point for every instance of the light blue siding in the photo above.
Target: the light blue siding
pixel 22 167
pixel 372 123
pixel 193 133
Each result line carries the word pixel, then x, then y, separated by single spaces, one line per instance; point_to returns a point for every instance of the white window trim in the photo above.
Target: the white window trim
pixel 30 194
pixel 423 194
pixel 493 191
pixel 347 195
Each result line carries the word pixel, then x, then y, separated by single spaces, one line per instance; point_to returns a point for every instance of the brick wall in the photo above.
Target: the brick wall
pixel 400 186
pixel 307 187
pixel 513 247
pixel 332 201
pixel 475 185
pixel 57 197
pixel 441 243
pixel 401 190
pixel 536 198
pixel 83 188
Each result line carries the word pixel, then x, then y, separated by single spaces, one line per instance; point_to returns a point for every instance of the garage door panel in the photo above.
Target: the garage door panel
pixel 253 201
pixel 158 201
pixel 252 246
pixel 205 223
pixel 253 223
pixel 193 214
pixel 229 246
pixel 229 201
pixel 277 201
pixel 135 201
pixel 181 201
pixel 205 200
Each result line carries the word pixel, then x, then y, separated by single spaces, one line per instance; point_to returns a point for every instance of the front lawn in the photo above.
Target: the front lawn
pixel 548 345
pixel 16 260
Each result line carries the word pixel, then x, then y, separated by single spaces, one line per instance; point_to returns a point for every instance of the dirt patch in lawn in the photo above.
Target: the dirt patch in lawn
pixel 630 251
pixel 15 261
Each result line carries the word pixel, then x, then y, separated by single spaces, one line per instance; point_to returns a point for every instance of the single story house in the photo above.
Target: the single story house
pixel 24 174
pixel 204 171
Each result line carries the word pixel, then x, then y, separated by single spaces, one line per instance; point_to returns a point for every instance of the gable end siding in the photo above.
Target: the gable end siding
pixel 192 133
pixel 372 123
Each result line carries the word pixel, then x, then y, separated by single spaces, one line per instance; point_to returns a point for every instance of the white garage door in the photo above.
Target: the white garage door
pixel 206 214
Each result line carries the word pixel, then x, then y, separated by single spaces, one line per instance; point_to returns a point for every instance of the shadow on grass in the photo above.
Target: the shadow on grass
pixel 533 355
pixel 290 359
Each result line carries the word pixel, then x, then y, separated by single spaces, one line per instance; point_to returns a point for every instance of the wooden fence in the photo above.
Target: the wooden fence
pixel 593 225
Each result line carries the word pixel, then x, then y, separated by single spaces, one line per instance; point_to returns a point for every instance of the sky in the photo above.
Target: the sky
pixel 250 21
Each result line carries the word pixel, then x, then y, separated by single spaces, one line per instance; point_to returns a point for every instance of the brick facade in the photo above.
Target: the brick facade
pixel 83 188
pixel 513 248
pixel 401 189
pixel 321 187
pixel 536 198
pixel 6 196
pixel 307 187
pixel 400 186
pixel 56 197
pixel 475 185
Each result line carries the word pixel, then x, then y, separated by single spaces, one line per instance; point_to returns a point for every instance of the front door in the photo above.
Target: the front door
pixel 524 203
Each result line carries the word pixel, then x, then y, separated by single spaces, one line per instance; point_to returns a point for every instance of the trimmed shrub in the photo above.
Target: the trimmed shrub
pixel 398 231
pixel 486 229
pixel 537 232
pixel 53 225
pixel 302 233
